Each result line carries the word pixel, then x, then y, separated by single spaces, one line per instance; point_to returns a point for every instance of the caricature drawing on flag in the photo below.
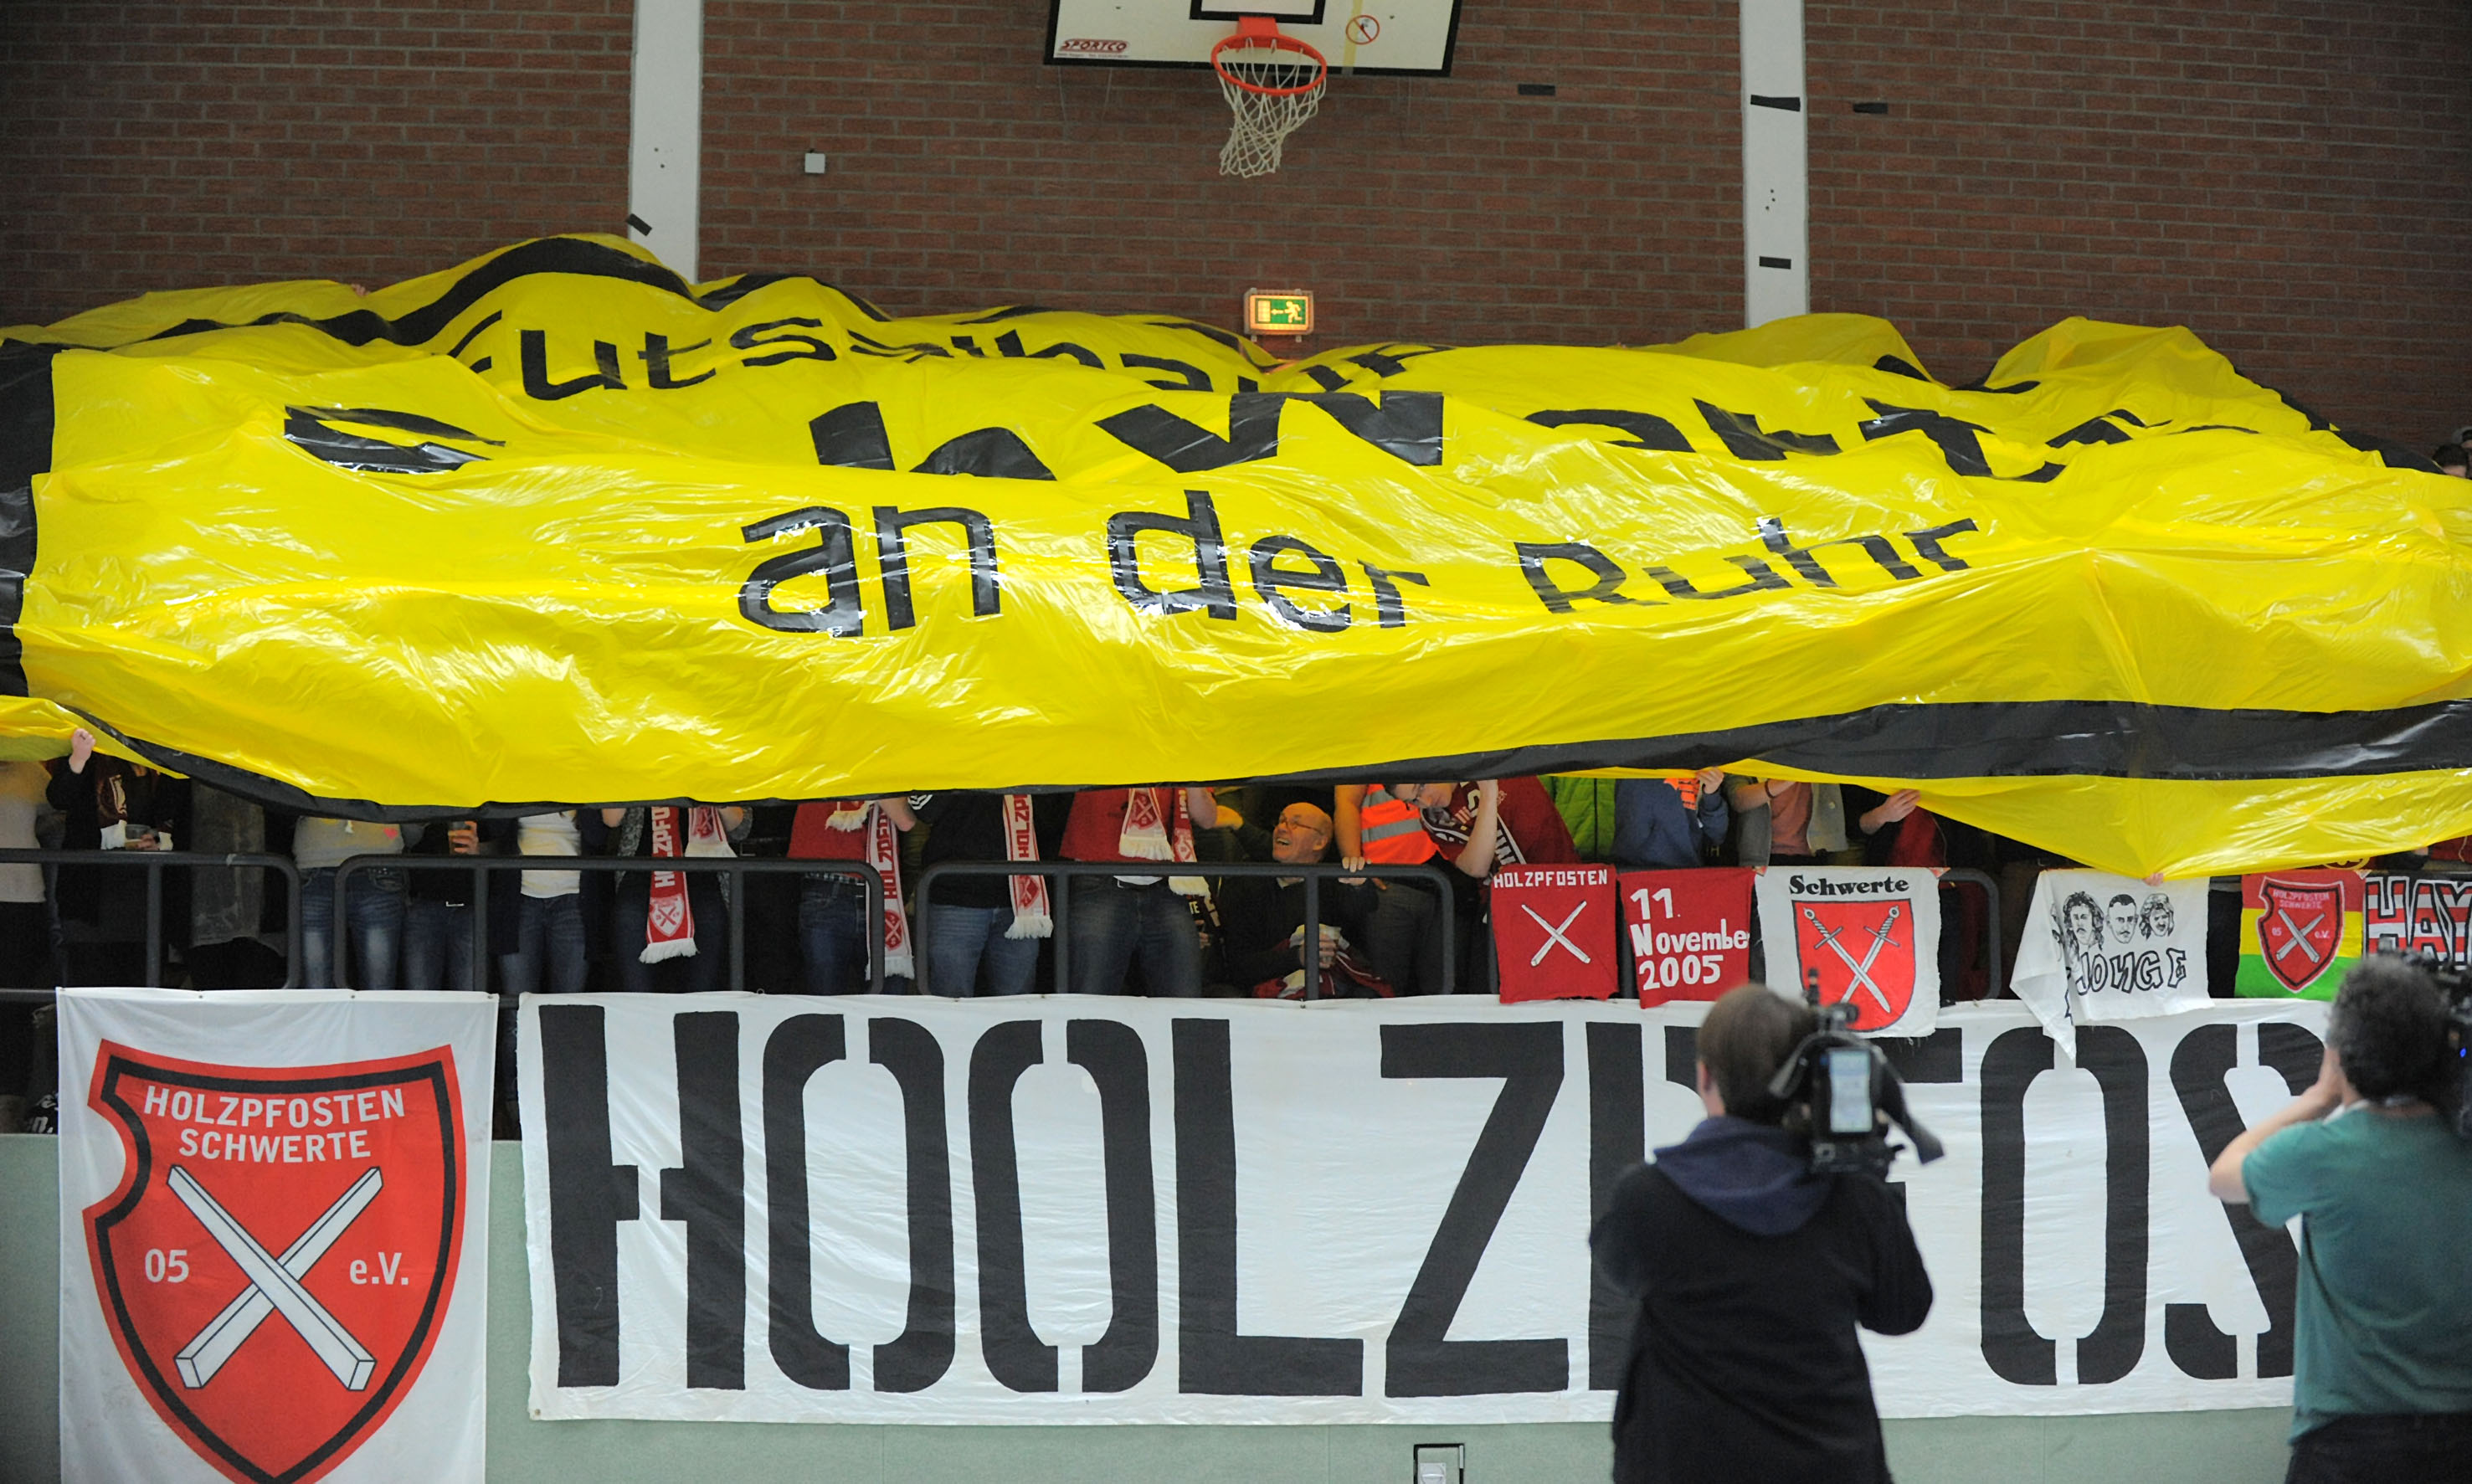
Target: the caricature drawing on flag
pixel 2101 948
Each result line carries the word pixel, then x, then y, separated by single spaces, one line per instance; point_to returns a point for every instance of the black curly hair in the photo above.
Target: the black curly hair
pixel 2389 1029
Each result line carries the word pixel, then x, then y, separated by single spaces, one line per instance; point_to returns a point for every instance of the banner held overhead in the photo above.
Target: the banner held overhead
pixel 756 539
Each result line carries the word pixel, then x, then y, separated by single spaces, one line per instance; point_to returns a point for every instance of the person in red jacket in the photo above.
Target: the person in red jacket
pixel 1483 827
pixel 1117 919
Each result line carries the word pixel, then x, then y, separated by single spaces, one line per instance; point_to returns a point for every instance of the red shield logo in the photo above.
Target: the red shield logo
pixel 281 1248
pixel 2299 924
pixel 1863 953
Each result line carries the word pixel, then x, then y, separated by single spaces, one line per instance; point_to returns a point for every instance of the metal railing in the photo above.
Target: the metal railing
pixel 481 866
pixel 154 862
pixel 733 867
pixel 1308 946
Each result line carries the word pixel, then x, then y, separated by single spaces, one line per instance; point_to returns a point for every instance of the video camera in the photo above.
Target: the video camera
pixel 1840 1092
pixel 2455 985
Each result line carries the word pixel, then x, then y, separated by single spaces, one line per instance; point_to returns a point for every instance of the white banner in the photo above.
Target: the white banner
pixel 1086 1209
pixel 1870 932
pixel 2101 948
pixel 275 1212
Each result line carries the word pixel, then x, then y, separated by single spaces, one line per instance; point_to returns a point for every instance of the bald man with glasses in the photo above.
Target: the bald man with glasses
pixel 1262 918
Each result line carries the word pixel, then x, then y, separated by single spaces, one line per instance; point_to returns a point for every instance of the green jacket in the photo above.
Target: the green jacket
pixel 1587 807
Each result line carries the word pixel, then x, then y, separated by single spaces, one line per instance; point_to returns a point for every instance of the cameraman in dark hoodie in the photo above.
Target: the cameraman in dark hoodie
pixel 1751 1274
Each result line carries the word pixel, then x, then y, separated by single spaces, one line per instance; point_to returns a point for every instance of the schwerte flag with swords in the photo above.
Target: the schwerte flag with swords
pixel 1871 934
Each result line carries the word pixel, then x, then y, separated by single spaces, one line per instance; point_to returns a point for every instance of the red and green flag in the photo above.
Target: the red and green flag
pixel 2300 931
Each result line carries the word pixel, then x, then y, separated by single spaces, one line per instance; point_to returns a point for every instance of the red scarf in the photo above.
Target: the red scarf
pixel 884 853
pixel 881 848
pixel 1030 918
pixel 1147 837
pixel 669 918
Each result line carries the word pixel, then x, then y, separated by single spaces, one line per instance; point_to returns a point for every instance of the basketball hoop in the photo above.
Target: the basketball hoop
pixel 1273 82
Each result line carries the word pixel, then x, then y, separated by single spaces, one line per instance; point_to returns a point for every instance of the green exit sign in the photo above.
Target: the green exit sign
pixel 1279 312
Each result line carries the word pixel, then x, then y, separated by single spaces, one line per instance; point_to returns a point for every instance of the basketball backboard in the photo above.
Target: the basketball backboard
pixel 1366 36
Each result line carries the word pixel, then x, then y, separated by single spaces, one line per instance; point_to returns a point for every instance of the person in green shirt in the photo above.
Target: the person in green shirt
pixel 2382 1365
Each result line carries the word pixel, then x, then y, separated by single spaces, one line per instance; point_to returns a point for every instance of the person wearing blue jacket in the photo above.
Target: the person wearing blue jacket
pixel 1669 823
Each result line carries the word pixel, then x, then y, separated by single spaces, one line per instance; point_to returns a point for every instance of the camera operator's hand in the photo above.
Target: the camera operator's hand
pixel 2331 1090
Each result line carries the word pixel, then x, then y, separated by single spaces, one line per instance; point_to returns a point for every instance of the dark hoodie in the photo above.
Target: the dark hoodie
pixel 1751 1276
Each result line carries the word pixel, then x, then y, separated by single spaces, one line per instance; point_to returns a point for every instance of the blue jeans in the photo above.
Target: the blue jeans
pixel 1112 923
pixel 549 935
pixel 832 935
pixel 374 916
pixel 964 938
pixel 437 945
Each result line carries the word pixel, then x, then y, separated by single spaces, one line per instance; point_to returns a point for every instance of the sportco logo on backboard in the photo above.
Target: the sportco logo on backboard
pixel 1864 952
pixel 2299 926
pixel 1085 46
pixel 281 1248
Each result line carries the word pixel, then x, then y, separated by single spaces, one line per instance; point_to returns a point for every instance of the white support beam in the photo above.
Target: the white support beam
pixel 1776 169
pixel 665 131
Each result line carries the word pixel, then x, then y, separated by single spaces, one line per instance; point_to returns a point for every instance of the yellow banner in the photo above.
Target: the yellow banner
pixel 555 526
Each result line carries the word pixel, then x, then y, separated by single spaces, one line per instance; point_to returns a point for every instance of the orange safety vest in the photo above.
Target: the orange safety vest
pixel 1393 831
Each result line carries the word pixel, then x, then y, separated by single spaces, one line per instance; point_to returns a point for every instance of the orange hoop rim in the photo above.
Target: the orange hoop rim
pixel 1267 36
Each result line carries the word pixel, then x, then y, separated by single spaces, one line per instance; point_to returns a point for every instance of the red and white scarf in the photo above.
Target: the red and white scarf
pixel 1030 914
pixel 669 920
pixel 1145 835
pixel 882 850
pixel 1454 822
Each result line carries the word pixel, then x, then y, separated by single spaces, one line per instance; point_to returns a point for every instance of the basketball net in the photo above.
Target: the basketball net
pixel 1273 83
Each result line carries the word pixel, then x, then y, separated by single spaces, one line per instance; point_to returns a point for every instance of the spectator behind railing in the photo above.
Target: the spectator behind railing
pixel 231 909
pixel 775 964
pixel 1670 824
pixel 987 928
pixel 1782 822
pixel 1117 922
pixel 536 919
pixel 832 909
pixel 439 915
pixel 374 912
pixel 669 930
pixel 1894 829
pixel 1586 806
pixel 1263 918
pixel 1479 828
pixel 1403 932
pixel 107 804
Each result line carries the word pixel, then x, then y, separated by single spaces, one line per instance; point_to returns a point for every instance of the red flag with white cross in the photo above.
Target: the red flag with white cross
pixel 1554 932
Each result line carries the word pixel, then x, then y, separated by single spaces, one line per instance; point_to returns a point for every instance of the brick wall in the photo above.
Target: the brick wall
pixel 2291 178
pixel 174 145
pixel 965 172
